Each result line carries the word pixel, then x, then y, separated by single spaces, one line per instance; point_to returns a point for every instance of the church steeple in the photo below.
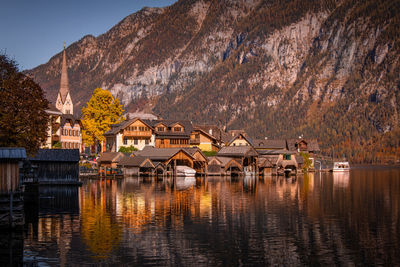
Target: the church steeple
pixel 64 87
pixel 64 101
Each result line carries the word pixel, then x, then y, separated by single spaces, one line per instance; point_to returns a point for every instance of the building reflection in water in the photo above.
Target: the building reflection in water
pixel 50 223
pixel 315 219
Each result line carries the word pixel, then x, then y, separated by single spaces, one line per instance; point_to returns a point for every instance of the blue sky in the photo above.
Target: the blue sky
pixel 32 31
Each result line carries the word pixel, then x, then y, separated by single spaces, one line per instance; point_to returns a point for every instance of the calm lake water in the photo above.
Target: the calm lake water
pixel 316 219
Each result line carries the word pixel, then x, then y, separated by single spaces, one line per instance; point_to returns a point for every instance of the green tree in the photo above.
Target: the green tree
pixel 100 112
pixel 23 119
pixel 127 149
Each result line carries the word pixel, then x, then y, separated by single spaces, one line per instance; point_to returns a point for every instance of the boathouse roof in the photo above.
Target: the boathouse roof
pixel 138 161
pixel 12 153
pixel 110 157
pixel 237 151
pixel 162 154
pixel 57 155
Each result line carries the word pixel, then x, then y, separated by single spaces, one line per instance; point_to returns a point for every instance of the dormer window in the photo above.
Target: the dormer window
pixel 160 129
pixel 177 129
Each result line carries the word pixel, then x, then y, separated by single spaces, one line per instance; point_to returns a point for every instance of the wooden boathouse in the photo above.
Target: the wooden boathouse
pixel 11 198
pixel 56 166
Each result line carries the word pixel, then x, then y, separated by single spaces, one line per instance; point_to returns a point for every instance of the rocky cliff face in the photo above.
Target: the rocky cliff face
pixel 319 68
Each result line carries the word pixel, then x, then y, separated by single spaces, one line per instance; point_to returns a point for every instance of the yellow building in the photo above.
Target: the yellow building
pixel 203 140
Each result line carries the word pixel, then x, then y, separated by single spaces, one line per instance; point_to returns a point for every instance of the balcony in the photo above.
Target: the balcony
pixel 195 141
pixel 137 134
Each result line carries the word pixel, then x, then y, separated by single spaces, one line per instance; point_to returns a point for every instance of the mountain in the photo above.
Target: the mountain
pixel 326 69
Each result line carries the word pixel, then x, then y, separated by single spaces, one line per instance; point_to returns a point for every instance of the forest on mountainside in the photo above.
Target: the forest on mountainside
pixel 325 69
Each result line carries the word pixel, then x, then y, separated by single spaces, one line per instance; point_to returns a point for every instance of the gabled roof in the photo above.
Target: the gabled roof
pixel 237 151
pixel 312 144
pixel 268 161
pixel 216 132
pixel 187 128
pixel 110 157
pixel 193 150
pixel 64 155
pixel 248 140
pixel 12 153
pixel 205 133
pixel 214 158
pixel 115 128
pixel 269 144
pixel 69 118
pixel 224 160
pixel 160 154
pixel 138 161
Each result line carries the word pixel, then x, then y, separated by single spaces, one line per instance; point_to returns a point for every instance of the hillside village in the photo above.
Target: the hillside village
pixel 160 145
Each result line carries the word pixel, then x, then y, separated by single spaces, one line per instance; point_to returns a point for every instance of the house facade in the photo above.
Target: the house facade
pixel 70 130
pixel 240 140
pixel 171 134
pixel 203 140
pixel 53 127
pixel 135 132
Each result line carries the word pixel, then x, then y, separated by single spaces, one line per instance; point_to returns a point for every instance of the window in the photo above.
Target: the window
pixel 160 129
pixel 135 141
pixel 177 129
pixel 286 157
pixel 70 132
pixel 162 141
pixel 125 141
pixel 147 141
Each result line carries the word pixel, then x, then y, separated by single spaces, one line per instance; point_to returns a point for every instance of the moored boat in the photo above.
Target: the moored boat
pixel 342 166
pixel 185 171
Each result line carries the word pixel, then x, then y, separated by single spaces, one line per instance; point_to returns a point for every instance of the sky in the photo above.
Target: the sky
pixel 32 31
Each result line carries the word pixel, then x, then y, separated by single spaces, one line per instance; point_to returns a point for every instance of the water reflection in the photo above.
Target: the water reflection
pixel 314 219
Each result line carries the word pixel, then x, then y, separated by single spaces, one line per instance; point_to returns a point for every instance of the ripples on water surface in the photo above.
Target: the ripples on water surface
pixel 317 219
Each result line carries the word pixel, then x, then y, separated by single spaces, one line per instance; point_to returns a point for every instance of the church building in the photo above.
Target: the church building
pixel 71 134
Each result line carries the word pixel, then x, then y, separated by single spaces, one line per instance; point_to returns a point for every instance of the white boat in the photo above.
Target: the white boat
pixel 343 166
pixel 185 171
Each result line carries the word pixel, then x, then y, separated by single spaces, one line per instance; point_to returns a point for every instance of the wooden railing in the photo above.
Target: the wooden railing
pixel 195 141
pixel 137 134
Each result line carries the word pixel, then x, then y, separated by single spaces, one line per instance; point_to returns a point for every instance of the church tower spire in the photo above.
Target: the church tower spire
pixel 64 86
pixel 64 101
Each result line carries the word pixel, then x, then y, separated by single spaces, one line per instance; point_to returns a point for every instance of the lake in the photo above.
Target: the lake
pixel 316 219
